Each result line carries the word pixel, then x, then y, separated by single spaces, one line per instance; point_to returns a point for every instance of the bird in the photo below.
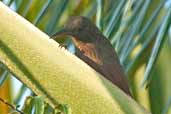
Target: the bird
pixel 95 49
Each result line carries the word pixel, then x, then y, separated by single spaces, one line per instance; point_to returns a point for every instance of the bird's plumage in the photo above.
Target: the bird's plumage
pixel 94 49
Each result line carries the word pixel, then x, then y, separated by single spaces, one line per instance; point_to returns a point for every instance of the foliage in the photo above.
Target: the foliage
pixel 138 30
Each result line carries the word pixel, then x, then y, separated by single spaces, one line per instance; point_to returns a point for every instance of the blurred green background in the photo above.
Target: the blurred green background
pixel 137 29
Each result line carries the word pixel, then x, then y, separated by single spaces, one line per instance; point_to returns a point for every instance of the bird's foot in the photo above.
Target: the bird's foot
pixel 63 46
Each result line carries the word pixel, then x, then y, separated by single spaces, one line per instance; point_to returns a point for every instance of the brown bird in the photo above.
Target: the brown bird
pixel 94 49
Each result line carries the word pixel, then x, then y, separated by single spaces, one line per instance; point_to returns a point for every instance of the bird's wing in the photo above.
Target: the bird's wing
pixel 111 67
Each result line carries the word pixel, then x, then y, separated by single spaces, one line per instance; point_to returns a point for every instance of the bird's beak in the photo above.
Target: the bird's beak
pixel 60 33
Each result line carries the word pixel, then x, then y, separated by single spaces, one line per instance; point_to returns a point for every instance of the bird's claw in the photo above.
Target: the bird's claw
pixel 63 46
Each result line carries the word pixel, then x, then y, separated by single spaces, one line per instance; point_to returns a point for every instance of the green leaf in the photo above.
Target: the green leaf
pixel 56 16
pixel 28 105
pixel 114 19
pixel 3 76
pixel 99 15
pixel 38 104
pixel 34 105
pixel 24 8
pixel 143 31
pixel 134 30
pixel 63 108
pixel 167 106
pixel 19 95
pixel 158 43
pixel 39 8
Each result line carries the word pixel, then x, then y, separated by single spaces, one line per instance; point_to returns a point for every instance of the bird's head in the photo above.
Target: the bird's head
pixel 80 28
